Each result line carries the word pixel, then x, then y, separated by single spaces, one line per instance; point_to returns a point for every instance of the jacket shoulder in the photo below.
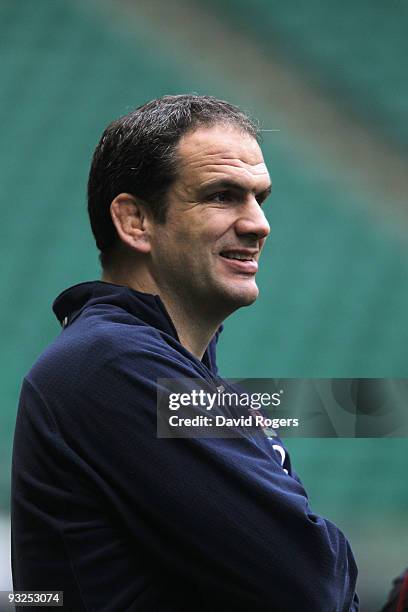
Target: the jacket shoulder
pixel 84 352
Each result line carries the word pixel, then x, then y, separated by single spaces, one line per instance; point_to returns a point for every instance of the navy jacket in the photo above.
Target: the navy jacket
pixel 121 520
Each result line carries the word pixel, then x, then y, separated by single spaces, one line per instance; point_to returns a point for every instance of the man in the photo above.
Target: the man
pixel 103 509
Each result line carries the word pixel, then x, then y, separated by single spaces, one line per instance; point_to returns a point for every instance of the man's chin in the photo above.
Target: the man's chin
pixel 248 300
pixel 243 296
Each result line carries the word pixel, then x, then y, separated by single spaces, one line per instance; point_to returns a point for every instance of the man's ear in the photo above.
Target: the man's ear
pixel 130 219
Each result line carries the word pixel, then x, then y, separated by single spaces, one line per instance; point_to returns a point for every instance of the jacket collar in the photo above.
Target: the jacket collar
pixel 144 306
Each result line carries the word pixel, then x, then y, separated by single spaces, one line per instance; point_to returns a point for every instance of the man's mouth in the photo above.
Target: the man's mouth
pixel 240 254
pixel 242 260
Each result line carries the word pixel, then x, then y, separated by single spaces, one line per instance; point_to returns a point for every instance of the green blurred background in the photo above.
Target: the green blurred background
pixel 328 82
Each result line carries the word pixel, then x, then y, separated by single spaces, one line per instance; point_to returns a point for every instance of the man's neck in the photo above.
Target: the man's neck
pixel 194 330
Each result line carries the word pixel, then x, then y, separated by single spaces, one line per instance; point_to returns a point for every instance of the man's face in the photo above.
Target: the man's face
pixel 205 256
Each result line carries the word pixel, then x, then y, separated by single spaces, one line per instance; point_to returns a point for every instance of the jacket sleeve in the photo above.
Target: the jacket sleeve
pixel 217 512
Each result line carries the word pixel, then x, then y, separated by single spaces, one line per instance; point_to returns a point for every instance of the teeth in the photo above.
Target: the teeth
pixel 240 256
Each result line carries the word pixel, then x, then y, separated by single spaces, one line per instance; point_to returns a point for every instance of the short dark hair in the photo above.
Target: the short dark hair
pixel 137 155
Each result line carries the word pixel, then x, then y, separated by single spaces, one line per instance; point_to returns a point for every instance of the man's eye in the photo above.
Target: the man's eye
pixel 220 196
pixel 261 198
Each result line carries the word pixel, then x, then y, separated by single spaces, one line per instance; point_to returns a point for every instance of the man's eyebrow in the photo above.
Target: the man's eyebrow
pixel 231 184
pixel 266 192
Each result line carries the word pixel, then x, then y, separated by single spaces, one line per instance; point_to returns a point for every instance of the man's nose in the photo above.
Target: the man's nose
pixel 252 220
